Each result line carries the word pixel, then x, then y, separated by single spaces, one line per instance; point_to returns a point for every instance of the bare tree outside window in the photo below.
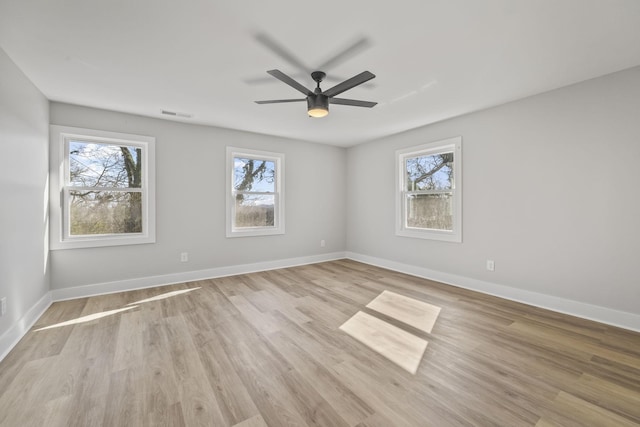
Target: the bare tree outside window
pixel 429 184
pixel 105 182
pixel 254 185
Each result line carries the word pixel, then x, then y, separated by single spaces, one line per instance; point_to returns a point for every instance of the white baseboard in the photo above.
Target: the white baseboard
pixel 188 276
pixel 10 338
pixel 600 314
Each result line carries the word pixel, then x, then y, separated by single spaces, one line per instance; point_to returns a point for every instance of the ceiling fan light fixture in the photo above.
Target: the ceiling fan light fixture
pixel 317 105
pixel 318 100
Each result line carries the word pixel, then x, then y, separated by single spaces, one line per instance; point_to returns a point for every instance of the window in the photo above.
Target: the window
pixel 428 203
pixel 105 181
pixel 255 192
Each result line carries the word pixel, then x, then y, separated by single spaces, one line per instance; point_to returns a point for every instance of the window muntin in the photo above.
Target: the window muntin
pixel 106 182
pixel 255 203
pixel 429 193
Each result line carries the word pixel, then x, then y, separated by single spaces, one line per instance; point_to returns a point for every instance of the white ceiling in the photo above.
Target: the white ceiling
pixel 434 59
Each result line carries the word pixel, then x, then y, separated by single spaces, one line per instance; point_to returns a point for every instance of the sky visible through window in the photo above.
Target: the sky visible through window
pixel 429 173
pixel 98 165
pixel 263 181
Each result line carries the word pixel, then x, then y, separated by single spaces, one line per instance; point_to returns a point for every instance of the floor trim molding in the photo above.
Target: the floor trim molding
pixel 600 314
pixel 187 276
pixel 14 334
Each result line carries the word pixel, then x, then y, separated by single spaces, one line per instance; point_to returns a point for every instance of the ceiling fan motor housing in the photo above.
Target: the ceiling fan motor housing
pixel 318 101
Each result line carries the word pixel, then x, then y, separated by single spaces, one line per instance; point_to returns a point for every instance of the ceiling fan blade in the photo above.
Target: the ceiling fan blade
pixel 281 51
pixel 279 101
pixel 353 102
pixel 349 83
pixel 288 80
pixel 346 53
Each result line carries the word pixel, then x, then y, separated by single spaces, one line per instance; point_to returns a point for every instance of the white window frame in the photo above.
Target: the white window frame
pixel 278 214
pixel 59 173
pixel 444 146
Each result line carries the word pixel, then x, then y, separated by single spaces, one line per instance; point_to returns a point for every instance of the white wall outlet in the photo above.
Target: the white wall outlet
pixel 491 266
pixel 3 306
pixel 184 257
pixel 322 243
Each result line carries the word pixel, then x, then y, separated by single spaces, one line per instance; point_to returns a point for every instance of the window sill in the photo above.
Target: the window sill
pixel 97 242
pixel 445 236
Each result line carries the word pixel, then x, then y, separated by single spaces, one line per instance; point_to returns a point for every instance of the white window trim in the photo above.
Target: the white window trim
pixel 278 216
pixel 451 144
pixel 60 238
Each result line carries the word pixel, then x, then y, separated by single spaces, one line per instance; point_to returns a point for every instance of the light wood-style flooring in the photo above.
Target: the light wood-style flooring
pixel 266 349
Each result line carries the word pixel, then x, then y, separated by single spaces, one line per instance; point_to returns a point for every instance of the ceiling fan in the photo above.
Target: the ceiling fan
pixel 318 101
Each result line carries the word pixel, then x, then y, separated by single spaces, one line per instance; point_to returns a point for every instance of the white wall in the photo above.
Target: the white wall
pixel 190 208
pixel 24 136
pixel 551 193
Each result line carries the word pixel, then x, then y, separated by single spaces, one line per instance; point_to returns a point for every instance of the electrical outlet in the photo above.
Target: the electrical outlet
pixel 491 266
pixel 184 257
pixel 3 306
pixel 322 243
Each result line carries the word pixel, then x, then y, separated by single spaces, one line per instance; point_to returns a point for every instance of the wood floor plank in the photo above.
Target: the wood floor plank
pixel 128 347
pixel 346 403
pixel 124 405
pixel 546 423
pixel 315 310
pixel 264 322
pixel 268 393
pixel 160 383
pixel 268 301
pixel 266 349
pixel 375 420
pixel 590 414
pixel 56 412
pixel 315 410
pixel 310 337
pixel 377 392
pixel 199 407
pixel 232 397
pixel 27 386
pixel 618 399
pixel 256 421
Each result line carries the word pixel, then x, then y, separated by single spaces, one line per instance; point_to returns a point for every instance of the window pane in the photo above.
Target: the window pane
pixel 433 172
pixel 105 212
pixel 254 175
pixel 254 210
pixel 432 211
pixel 104 165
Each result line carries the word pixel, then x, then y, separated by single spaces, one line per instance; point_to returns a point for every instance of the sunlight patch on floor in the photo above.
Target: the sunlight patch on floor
pixel 85 319
pixel 418 314
pixel 164 296
pixel 399 346
pixel 130 306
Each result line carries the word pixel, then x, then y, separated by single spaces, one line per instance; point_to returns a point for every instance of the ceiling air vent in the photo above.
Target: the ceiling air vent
pixel 176 114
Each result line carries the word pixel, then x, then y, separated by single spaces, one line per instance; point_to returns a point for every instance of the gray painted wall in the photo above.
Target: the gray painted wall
pixel 190 208
pixel 551 193
pixel 24 136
